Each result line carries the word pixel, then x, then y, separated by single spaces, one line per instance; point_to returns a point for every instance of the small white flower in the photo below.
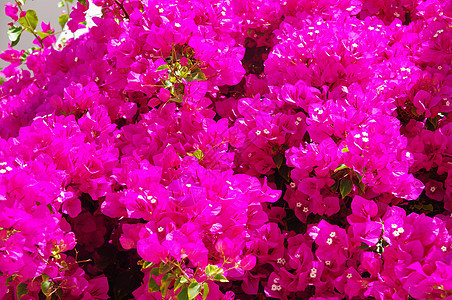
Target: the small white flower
pixel 311 28
pixel 370 28
pixel 281 261
pixel 329 241
pixel 266 131
pixel 313 275
pixel 365 140
pixel 401 230
pixel 276 280
pixel 394 226
pixel 398 25
pixel 349 275
pixel 332 234
pixel 2 171
pixel 448 103
pixel 297 255
pixel 444 248
pixel 365 134
pixel 8 168
pixel 258 132
pixel 305 209
pixel 160 229
pixel 161 10
pixel 357 136
pixel 396 233
pixel 408 154
pixel 118 135
pixel 299 119
pixel 299 204
pixel 317 31
pixel 275 287
pixel 188 185
pixel 432 189
pixel 177 25
pixel 327 262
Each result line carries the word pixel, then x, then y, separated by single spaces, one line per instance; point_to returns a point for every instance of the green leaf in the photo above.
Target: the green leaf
pixel 63 20
pixel 59 293
pixel 43 35
pixel 164 268
pixel 183 294
pixel 30 19
pixel 341 167
pixel 46 285
pixel 180 282
pixel 162 67
pixel 147 264
pixel 197 75
pixel 363 246
pixel 278 159
pixel 211 270
pixel 21 290
pixel 14 33
pixel 193 290
pixel 346 186
pixel 361 187
pixel 428 207
pixel 198 154
pixel 206 291
pixel 155 271
pixel 284 171
pixel 165 282
pixel 220 278
pixel 60 4
pixel 153 286
pixel 177 99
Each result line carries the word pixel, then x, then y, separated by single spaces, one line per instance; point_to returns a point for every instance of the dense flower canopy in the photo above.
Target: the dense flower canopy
pixel 230 149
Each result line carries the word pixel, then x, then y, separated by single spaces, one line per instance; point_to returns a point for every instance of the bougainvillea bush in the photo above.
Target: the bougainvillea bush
pixel 237 149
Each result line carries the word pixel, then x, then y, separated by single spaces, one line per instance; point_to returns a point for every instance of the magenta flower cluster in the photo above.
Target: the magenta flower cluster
pixel 292 149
